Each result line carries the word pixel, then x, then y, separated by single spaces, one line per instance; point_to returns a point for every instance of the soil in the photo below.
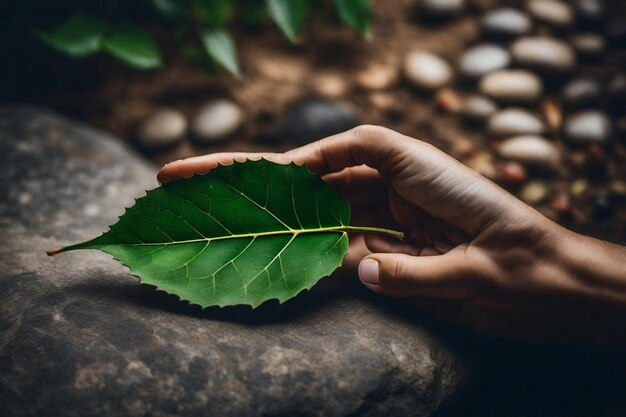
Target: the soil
pixel 328 60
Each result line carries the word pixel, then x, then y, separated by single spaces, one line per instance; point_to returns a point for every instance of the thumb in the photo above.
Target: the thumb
pixel 448 276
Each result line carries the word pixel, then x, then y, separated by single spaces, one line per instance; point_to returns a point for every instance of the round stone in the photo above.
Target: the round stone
pixel 478 108
pixel 512 172
pixel 534 192
pixel 514 121
pixel 441 8
pixel 543 53
pixel 216 120
pixel 581 92
pixel 586 127
pixel 515 86
pixel 553 12
pixel 162 128
pixel 330 84
pixel 482 59
pixel 530 149
pixel 377 76
pixel 590 12
pixel 588 44
pixel 315 118
pixel 506 22
pixel 426 70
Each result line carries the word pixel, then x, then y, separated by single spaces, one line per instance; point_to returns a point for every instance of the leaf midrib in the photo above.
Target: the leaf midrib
pixel 295 232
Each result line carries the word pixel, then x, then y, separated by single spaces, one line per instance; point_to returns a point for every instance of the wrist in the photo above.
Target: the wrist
pixel 597 268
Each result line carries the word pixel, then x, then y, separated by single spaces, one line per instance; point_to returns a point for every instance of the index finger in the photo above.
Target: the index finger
pixel 374 146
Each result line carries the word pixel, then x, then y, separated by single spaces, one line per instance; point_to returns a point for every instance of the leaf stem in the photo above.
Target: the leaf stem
pixel 366 229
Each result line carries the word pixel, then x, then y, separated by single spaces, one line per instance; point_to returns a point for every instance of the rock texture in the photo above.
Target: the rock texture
pixel 80 337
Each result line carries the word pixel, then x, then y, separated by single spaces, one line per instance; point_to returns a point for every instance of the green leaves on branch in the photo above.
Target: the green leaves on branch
pixel 289 15
pixel 132 45
pixel 221 47
pixel 356 14
pixel 241 234
pixel 82 35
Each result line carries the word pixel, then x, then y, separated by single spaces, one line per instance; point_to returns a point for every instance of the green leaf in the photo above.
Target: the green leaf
pixel 241 234
pixel 221 47
pixel 171 9
pixel 79 36
pixel 133 46
pixel 214 13
pixel 356 14
pixel 289 15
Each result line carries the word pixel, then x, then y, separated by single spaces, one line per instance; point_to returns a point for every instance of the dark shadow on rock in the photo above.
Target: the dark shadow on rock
pixel 143 295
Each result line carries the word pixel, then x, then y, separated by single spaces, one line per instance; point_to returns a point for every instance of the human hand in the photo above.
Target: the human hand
pixel 474 253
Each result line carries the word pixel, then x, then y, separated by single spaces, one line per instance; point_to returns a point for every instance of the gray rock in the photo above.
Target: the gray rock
pixel 80 337
pixel 590 12
pixel 553 12
pixel 316 118
pixel 216 120
pixel 441 8
pixel 505 22
pixel 478 108
pixel 544 53
pixel 588 44
pixel 581 92
pixel 482 59
pixel 162 128
pixel 513 86
pixel 514 121
pixel 531 150
pixel 426 70
pixel 591 126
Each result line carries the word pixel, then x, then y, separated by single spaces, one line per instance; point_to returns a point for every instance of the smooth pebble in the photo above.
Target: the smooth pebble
pixel 544 53
pixel 515 86
pixel 162 128
pixel 591 126
pixel 534 192
pixel 482 59
pixel 514 121
pixel 426 70
pixel 581 92
pixel 505 22
pixel 588 44
pixel 478 108
pixel 315 118
pixel 590 12
pixel 441 8
pixel 216 120
pixel 530 149
pixel 552 12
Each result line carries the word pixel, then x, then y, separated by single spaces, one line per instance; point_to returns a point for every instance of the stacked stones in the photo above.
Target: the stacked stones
pixel 550 126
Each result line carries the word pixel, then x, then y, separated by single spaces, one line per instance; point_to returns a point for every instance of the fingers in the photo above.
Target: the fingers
pixel 185 168
pixel 449 276
pixel 374 146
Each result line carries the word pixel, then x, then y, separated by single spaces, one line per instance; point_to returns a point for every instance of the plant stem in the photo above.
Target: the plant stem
pixel 366 229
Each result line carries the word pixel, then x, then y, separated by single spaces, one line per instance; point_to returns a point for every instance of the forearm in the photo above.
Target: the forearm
pixel 599 268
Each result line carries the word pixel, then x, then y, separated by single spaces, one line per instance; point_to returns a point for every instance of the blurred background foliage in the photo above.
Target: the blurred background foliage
pixel 129 30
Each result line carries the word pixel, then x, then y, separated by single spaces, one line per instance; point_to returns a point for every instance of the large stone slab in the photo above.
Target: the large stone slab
pixel 80 337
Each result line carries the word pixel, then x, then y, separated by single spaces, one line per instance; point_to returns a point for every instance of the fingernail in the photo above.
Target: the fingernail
pixel 368 272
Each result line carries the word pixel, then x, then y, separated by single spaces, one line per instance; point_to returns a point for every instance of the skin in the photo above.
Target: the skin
pixel 474 253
